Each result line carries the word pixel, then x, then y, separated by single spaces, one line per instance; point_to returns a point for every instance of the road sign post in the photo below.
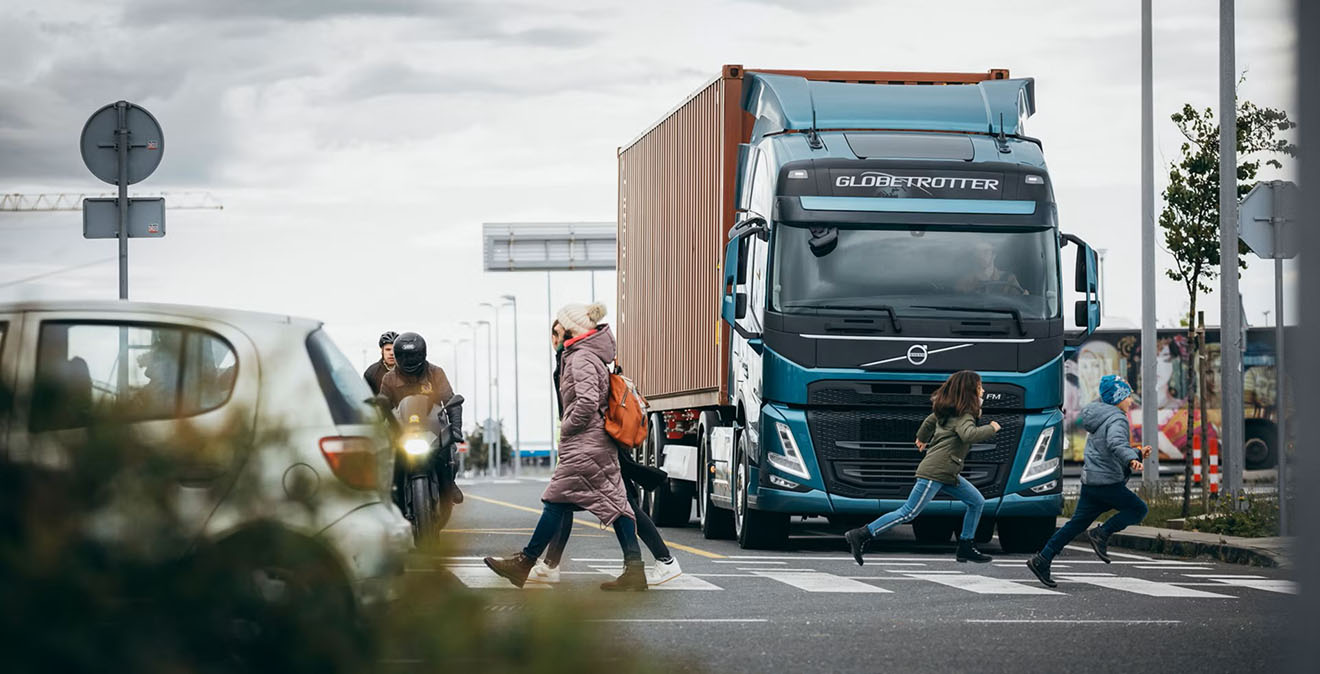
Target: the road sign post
pixel 121 144
pixel 1267 219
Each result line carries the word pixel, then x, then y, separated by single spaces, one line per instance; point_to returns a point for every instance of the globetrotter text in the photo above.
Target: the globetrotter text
pixel 923 182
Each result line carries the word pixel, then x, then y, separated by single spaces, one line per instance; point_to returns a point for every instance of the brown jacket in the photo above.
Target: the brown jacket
pixel 396 386
pixel 588 474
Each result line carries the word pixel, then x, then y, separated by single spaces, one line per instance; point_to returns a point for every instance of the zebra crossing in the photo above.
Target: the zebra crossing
pixel 906 576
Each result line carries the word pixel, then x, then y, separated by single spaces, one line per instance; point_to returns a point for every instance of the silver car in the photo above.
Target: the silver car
pixel 315 477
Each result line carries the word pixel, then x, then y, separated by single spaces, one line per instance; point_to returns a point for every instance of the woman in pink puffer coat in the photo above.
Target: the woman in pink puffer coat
pixel 587 477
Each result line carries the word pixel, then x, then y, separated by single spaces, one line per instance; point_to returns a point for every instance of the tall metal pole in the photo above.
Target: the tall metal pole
pixel 554 407
pixel 493 447
pixel 121 148
pixel 1230 308
pixel 1150 421
pixel 495 381
pixel 1280 397
pixel 517 399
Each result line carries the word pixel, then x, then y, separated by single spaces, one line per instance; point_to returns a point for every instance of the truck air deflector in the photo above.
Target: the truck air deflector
pixel 786 103
pixel 901 205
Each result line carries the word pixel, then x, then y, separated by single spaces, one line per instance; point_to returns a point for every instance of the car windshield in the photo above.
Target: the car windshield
pixel 345 390
pixel 916 271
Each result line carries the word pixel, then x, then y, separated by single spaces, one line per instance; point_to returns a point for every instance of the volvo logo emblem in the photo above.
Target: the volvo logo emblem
pixel 917 354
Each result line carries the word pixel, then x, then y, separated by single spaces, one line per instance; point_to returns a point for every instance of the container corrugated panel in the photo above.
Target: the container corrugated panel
pixel 675 210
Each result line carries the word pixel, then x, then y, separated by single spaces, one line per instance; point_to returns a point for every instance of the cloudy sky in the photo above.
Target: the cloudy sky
pixel 357 146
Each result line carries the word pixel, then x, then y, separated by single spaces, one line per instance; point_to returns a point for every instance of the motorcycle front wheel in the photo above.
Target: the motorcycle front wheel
pixel 430 512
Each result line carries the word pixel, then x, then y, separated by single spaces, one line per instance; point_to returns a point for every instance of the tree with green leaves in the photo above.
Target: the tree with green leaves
pixel 1190 218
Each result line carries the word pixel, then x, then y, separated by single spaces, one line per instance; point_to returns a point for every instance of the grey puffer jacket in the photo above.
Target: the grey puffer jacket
pixel 588 473
pixel 1109 446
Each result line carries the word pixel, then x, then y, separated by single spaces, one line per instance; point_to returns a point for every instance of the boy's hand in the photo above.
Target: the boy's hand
pixel 921 446
pixel 1145 452
pixel 1136 465
pixel 995 425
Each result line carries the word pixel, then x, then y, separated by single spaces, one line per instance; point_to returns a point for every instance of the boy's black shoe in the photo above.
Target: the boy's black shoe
pixel 857 540
pixel 967 552
pixel 1041 568
pixel 1099 541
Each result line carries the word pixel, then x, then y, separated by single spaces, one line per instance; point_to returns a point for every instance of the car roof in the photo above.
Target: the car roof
pixel 232 316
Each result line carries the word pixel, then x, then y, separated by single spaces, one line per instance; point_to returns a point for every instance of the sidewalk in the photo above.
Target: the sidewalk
pixel 1273 551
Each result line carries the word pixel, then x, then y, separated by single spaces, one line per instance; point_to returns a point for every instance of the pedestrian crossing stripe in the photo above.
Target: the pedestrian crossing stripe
pixel 982 584
pixel 1144 587
pixel 816 581
pixel 482 578
pixel 1266 584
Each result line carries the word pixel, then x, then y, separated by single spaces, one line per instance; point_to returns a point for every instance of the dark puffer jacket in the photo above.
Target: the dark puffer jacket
pixel 588 473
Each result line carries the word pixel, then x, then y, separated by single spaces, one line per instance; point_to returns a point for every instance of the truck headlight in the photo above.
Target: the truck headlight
pixel 790 461
pixel 1038 466
pixel 416 446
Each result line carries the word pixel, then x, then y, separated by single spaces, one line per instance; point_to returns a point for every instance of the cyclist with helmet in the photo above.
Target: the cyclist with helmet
pixel 377 370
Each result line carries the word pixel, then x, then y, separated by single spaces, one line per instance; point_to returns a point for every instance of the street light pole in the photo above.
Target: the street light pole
pixel 517 399
pixel 490 395
pixel 1150 421
pixel 495 380
pixel 1230 303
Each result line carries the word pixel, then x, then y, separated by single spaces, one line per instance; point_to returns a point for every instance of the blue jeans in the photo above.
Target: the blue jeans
pixel 1094 501
pixel 923 492
pixel 553 516
pixel 646 531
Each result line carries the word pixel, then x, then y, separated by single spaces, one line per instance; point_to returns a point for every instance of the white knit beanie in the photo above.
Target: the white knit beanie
pixel 580 318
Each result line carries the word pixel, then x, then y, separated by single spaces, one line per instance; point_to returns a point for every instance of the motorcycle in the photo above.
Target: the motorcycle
pixel 426 464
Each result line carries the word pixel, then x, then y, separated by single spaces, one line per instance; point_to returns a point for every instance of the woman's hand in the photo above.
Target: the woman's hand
pixel 995 425
pixel 921 446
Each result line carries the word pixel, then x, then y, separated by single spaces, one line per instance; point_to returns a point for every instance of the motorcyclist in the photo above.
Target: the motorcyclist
pixel 413 375
pixel 377 370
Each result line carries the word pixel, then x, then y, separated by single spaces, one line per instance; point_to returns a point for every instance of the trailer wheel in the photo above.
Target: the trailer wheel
pixel 1024 534
pixel 1259 446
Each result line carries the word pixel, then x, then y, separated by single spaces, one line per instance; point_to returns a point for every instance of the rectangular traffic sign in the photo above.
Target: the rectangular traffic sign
pixel 146 217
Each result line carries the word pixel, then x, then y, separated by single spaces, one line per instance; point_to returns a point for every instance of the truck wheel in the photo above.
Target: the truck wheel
pixel 1259 446
pixel 756 529
pixel 716 523
pixel 934 529
pixel 1024 534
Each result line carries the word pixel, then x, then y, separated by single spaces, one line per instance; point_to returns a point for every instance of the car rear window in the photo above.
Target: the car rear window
pixel 346 392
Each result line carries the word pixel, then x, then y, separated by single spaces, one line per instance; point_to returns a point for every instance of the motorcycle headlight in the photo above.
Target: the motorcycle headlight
pixel 416 446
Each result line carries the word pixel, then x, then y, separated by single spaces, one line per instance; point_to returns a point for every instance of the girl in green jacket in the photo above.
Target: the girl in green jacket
pixel 946 436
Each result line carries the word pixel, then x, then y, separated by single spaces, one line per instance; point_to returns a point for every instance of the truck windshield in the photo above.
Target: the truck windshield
pixel 916 271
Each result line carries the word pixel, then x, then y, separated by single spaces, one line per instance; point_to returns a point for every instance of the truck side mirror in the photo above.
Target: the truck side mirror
pixel 1086 277
pixel 740 305
pixel 1082 314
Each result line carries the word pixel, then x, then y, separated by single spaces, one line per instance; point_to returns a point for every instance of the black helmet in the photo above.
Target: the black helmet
pixel 410 353
pixel 387 338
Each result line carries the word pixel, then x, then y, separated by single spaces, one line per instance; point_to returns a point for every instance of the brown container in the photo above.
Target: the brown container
pixel 676 206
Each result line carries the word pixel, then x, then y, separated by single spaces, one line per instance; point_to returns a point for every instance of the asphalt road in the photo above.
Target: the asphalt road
pixel 912 608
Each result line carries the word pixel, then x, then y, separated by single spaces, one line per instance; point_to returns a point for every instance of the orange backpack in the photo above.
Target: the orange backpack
pixel 625 412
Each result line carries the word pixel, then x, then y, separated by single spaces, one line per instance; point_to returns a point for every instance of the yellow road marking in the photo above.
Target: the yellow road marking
pixel 595 524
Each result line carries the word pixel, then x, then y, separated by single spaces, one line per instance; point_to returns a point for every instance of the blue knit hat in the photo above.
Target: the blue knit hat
pixel 1114 390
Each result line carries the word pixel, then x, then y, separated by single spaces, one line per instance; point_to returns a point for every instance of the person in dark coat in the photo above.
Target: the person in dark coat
pixel 377 370
pixel 588 476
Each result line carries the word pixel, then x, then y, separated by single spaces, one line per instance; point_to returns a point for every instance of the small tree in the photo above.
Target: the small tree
pixel 1190 219
pixel 479 454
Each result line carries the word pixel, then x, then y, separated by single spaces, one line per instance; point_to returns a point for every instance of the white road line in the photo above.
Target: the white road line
pixel 1073 622
pixel 1174 568
pixel 983 584
pixel 926 571
pixel 1220 575
pixel 1087 549
pixel 1269 585
pixel 741 561
pixel 822 582
pixel 686 581
pixel 482 578
pixel 1143 587
pixel 1078 573
pixel 680 620
pixel 844 558
pixel 722 575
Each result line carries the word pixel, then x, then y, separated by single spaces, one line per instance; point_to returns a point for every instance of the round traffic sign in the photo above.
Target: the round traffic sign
pixel 146 143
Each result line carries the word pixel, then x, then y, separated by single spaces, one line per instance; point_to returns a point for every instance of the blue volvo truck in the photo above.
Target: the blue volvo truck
pixel 804 256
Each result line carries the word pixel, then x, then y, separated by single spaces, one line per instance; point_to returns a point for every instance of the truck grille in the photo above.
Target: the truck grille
pixel 869 453
pixel 904 394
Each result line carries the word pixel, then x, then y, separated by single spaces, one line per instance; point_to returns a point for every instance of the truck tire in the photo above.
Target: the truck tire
pixel 935 529
pixel 1024 534
pixel 755 529
pixel 1259 446
pixel 716 523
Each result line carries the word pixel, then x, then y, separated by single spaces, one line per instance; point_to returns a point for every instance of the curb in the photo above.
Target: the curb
pixel 1269 552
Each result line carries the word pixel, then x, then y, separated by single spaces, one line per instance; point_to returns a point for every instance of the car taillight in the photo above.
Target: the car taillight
pixel 353 460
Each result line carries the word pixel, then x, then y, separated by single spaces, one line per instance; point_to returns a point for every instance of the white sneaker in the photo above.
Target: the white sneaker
pixel 663 572
pixel 543 573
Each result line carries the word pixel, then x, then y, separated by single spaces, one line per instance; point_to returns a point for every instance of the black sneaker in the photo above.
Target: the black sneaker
pixel 1041 568
pixel 857 540
pixel 1099 542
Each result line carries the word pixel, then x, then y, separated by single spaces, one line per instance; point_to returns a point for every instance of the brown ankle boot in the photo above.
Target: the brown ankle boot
pixel 514 569
pixel 633 578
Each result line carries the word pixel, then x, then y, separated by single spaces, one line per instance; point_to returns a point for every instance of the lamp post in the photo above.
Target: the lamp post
pixel 476 399
pixel 490 393
pixel 517 400
pixel 495 381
